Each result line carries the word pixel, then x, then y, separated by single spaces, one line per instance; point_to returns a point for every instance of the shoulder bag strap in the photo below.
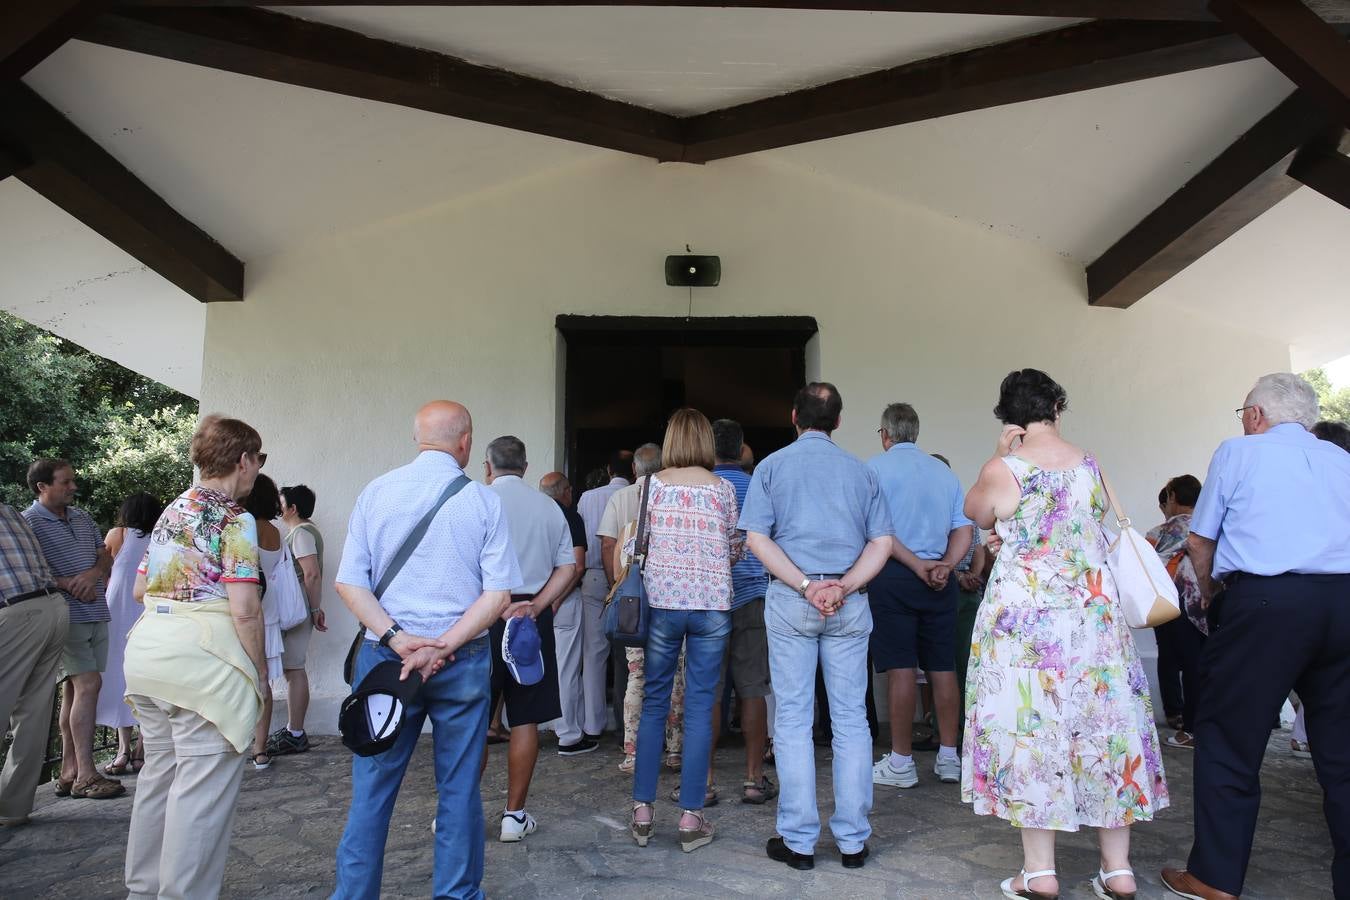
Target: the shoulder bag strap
pixel 1122 520
pixel 640 544
pixel 415 536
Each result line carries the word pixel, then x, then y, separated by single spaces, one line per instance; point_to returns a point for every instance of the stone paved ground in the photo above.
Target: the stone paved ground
pixel 926 844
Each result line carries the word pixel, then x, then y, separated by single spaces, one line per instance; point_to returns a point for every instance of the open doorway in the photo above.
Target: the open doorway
pixel 625 375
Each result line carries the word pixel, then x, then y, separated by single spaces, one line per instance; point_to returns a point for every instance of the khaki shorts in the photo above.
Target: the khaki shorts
pixel 295 645
pixel 86 649
pixel 748 651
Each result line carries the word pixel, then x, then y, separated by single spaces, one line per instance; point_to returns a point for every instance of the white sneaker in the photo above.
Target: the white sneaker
pixel 514 828
pixel 904 777
pixel 948 769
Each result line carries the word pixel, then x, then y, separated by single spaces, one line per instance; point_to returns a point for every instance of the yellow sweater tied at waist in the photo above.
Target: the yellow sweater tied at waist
pixel 188 654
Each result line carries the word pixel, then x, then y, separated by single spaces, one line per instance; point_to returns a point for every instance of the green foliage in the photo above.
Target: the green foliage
pixel 1335 401
pixel 122 431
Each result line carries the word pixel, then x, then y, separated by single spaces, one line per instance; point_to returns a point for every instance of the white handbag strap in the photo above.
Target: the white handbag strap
pixel 1122 520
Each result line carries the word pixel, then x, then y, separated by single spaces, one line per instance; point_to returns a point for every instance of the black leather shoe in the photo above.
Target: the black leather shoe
pixel 779 852
pixel 855 860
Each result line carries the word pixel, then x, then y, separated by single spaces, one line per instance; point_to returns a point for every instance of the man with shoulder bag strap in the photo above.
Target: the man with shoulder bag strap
pixel 432 615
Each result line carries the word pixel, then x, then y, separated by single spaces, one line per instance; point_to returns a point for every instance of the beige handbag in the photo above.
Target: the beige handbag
pixel 1148 595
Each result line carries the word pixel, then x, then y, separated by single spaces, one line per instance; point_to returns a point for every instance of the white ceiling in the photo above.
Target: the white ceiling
pixel 262 166
pixel 680 61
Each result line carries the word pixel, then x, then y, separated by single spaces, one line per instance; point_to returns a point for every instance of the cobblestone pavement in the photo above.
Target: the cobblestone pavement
pixel 926 843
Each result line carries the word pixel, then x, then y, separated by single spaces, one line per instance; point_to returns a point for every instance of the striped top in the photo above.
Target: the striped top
pixel 71 545
pixel 23 568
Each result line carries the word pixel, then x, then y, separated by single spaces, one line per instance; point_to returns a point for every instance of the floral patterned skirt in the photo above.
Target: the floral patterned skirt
pixel 1059 722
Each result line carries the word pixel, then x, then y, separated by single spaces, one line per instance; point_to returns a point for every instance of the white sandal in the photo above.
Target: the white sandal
pixel 1104 891
pixel 1027 893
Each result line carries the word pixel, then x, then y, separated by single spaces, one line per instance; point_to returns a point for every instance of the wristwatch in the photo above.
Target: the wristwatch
pixel 389 635
pixel 801 588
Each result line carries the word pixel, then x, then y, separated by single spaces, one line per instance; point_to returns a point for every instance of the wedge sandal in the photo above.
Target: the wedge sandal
pixel 1102 888
pixel 1026 893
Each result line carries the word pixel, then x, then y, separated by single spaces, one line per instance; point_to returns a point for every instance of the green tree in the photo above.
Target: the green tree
pixel 58 399
pixel 1335 402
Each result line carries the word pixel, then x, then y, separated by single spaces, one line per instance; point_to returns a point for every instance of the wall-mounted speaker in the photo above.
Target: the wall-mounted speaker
pixel 693 271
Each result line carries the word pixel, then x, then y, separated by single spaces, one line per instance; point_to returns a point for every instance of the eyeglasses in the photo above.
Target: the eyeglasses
pixel 262 459
pixel 1242 409
pixel 881 430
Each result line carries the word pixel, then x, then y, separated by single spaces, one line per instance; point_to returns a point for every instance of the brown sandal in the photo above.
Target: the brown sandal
pixel 63 787
pixel 116 768
pixel 97 788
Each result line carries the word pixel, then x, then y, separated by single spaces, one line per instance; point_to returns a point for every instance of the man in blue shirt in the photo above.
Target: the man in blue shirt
pixel 434 617
pixel 814 517
pixel 914 599
pixel 1272 525
pixel 748 649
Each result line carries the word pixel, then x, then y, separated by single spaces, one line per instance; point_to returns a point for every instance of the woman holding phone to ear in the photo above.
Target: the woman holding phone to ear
pixel 1059 725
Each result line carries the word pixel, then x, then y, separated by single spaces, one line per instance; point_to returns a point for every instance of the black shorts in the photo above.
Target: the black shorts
pixel 912 624
pixel 535 703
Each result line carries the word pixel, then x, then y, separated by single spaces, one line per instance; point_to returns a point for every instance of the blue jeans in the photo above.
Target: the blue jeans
pixel 704 632
pixel 798 637
pixel 456 700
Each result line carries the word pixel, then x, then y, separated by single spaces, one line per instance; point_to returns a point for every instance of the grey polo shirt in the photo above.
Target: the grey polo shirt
pixel 539 531
pixel 819 503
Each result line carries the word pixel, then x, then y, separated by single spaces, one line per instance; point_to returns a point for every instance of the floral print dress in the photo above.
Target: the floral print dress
pixel 1059 722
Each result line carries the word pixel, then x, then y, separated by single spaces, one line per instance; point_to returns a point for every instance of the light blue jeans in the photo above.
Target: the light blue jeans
pixel 798 638
pixel 456 701
pixel 704 636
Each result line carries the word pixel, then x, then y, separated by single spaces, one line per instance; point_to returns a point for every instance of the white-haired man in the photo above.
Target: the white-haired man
pixel 1271 527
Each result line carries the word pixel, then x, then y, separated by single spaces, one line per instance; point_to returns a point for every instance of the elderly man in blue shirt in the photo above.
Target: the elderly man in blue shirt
pixel 914 599
pixel 1272 526
pixel 434 616
pixel 816 520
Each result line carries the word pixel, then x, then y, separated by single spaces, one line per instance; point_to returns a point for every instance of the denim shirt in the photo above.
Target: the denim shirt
pixel 819 503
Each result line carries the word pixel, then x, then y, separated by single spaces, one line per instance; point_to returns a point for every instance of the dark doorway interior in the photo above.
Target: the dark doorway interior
pixel 627 374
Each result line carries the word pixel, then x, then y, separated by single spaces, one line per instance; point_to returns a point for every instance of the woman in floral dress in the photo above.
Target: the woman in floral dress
pixel 1059 725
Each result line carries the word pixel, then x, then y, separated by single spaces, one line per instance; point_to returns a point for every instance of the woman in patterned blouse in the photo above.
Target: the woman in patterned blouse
pixel 691 522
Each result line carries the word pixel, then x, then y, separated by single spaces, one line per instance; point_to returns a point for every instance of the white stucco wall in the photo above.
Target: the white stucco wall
pixel 341 340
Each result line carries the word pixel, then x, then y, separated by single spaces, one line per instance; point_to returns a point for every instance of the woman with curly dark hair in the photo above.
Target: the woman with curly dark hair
pixel 1059 724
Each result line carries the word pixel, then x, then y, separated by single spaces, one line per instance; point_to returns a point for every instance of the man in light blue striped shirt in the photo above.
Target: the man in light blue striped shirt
pixel 75 553
pixel 433 617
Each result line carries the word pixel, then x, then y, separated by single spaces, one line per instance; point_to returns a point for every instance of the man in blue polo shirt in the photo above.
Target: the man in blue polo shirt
pixel 914 599
pixel 814 517
pixel 1272 525
pixel 74 549
pixel 748 649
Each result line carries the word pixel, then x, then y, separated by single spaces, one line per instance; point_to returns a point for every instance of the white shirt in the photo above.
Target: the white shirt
pixel 539 532
pixel 591 508
pixel 622 508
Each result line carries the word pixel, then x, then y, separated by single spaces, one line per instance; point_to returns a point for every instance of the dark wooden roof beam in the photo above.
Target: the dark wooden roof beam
pixel 1243 182
pixel 1325 168
pixel 31 30
pixel 1173 10
pixel 75 173
pixel 1063 61
pixel 324 57
pixel 1313 54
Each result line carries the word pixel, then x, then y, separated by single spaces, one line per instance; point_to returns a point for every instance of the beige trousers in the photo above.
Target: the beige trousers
pixel 32 637
pixel 184 806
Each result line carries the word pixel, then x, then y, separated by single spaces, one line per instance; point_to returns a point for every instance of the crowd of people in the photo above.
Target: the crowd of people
pixel 785 584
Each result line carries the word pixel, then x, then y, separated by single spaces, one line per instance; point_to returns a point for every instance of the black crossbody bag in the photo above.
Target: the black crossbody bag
pixel 396 564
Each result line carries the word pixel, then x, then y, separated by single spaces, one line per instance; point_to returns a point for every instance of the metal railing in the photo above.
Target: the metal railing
pixel 105 739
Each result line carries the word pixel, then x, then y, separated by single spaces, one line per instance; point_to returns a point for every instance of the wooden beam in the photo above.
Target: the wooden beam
pixel 1078 58
pixel 1173 10
pixel 31 30
pixel 1325 169
pixel 11 163
pixel 327 58
pixel 1244 181
pixel 82 178
pixel 1313 54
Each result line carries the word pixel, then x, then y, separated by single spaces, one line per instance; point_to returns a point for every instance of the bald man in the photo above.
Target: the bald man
pixel 433 617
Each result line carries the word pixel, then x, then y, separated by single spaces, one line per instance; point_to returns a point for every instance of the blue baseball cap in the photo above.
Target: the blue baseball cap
pixel 521 650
